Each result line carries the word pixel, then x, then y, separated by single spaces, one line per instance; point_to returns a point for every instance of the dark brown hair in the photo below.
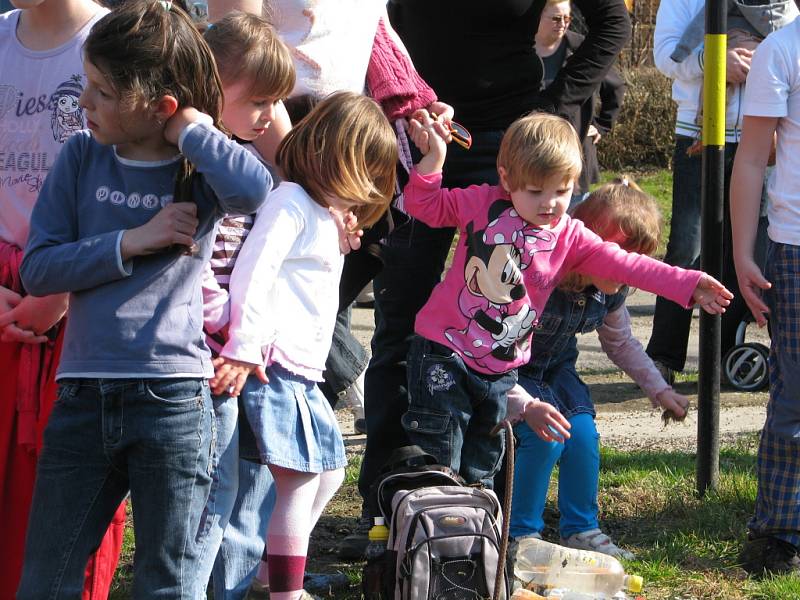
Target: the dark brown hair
pixel 147 49
pixel 247 48
pixel 346 148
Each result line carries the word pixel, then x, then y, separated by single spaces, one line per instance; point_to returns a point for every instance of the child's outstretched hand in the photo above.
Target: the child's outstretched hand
pixel 230 375
pixel 711 295
pixel 430 136
pixel 173 225
pixel 751 283
pixel 546 422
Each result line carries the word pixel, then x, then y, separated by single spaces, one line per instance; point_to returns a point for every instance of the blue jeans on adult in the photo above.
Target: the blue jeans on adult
pixel 578 477
pixel 235 519
pixel 414 257
pixel 452 411
pixel 105 437
pixel 671 323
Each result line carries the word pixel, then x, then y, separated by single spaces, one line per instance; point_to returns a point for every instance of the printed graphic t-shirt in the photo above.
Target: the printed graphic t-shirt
pixel 39 111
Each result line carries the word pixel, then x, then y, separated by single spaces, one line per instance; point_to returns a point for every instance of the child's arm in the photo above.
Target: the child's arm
pixel 216 306
pixel 627 353
pixel 592 256
pixel 544 419
pixel 745 195
pixel 238 179
pixel 56 260
pixel 423 196
pixel 253 322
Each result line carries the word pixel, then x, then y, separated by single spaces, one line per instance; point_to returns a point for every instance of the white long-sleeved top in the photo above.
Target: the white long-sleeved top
pixel 285 285
pixel 671 21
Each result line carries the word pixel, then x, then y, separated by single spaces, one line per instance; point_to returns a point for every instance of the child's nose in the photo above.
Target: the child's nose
pixel 83 100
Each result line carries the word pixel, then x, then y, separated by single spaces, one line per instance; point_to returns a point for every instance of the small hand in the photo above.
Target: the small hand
pixel 737 64
pixel 751 285
pixel 711 295
pixel 431 138
pixel 9 299
pixel 349 236
pixel 177 123
pixel 674 404
pixel 175 224
pixel 32 317
pixel 546 422
pixel 230 375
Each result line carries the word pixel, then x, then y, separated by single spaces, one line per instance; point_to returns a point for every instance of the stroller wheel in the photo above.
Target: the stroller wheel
pixel 745 366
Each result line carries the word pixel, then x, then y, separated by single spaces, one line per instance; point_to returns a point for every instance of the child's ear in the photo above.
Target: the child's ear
pixel 165 108
pixel 504 178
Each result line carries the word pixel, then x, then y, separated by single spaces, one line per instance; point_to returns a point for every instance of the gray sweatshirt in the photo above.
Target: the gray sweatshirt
pixel 144 317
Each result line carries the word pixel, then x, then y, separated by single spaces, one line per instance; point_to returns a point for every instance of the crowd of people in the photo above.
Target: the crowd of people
pixel 189 209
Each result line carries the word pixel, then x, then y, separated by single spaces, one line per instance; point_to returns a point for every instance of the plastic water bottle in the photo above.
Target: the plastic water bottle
pixel 376 561
pixel 541 566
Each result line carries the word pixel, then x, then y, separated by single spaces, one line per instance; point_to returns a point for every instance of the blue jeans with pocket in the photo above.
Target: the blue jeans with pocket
pixel 105 437
pixel 453 409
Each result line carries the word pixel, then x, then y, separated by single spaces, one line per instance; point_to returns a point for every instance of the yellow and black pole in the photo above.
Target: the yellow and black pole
pixel 713 189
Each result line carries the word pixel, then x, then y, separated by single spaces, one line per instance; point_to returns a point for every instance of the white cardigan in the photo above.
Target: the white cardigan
pixel 285 285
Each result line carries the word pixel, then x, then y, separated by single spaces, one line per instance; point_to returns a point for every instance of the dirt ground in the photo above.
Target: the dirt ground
pixel 625 419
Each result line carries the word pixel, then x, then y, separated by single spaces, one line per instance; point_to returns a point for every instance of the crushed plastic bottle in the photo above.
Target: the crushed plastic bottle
pixel 543 567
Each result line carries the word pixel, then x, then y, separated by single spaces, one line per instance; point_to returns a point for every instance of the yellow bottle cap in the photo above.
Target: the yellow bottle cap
pixel 635 583
pixel 378 532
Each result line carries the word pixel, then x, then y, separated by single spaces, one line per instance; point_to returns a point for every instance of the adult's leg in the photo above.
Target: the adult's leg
pixel 671 322
pixel 346 360
pixel 533 466
pixel 79 485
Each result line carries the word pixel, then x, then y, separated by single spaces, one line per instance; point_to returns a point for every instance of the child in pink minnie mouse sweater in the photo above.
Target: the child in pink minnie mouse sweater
pixel 516 243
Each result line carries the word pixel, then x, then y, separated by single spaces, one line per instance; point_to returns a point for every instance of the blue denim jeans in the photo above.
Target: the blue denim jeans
pixel 671 322
pixel 105 437
pixel 235 519
pixel 453 409
pixel 414 257
pixel 578 477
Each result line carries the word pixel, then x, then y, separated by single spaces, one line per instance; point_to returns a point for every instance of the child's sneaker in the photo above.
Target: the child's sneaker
pixel 597 541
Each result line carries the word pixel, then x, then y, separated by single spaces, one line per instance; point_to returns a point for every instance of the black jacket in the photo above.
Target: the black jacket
pixel 478 55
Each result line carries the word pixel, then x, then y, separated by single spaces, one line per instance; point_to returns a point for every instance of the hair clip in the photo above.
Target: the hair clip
pixel 165 4
pixel 459 133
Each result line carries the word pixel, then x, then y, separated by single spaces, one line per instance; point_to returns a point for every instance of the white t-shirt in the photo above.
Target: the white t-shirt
pixel 39 110
pixel 773 90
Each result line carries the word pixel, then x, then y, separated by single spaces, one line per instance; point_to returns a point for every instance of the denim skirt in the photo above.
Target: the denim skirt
pixel 289 423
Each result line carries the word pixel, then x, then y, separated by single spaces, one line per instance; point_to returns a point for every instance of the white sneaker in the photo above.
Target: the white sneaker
pixel 597 541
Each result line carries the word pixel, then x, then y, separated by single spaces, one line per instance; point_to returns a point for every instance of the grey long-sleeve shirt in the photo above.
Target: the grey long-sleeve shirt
pixel 143 317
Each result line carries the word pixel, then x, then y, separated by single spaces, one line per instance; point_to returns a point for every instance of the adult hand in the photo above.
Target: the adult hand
pixel 737 64
pixel 593 134
pixel 546 422
pixel 175 224
pixel 711 295
pixel 751 284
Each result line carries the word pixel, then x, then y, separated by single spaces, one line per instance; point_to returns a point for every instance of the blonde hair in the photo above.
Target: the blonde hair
pixel 247 48
pixel 619 208
pixel 538 147
pixel 346 148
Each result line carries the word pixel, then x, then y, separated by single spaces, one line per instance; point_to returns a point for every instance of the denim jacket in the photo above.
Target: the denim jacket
pixel 551 374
